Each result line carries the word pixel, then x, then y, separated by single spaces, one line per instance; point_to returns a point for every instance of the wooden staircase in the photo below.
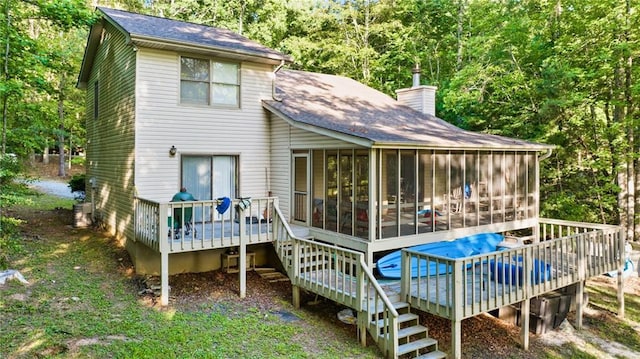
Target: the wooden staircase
pixel 412 339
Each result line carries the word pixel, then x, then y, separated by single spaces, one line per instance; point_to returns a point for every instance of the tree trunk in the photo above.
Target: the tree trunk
pixel 61 162
pixel 459 34
pixel 5 98
pixel 632 233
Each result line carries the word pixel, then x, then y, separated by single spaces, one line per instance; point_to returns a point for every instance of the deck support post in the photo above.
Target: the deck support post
pixel 525 318
pixel 362 327
pixel 456 321
pixel 456 341
pixel 623 257
pixel 242 260
pixel 620 294
pixel 164 254
pixel 295 295
pixel 525 306
pixel 164 278
pixel 579 304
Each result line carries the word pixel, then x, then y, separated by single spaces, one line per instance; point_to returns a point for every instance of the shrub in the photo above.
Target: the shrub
pixel 77 183
pixel 9 240
pixel 78 160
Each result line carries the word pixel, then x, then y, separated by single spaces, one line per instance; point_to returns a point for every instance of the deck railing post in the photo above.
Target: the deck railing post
pixel 242 260
pixel 136 220
pixel 295 272
pixel 405 276
pixel 362 300
pixel 621 235
pixel 529 269
pixel 581 253
pixel 163 246
pixel 456 321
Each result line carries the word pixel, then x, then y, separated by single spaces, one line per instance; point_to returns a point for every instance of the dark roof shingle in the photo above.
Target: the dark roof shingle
pixel 348 107
pixel 162 29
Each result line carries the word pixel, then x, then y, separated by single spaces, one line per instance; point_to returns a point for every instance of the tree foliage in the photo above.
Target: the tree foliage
pixel 559 72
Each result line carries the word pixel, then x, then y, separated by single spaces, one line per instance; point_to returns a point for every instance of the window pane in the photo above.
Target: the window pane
pixel 225 94
pixel 426 213
pixel 194 69
pixel 408 192
pixel 362 193
pixel 346 192
pixel 317 187
pixel 441 185
pixel 194 92
pixel 390 200
pixel 331 217
pixel 225 73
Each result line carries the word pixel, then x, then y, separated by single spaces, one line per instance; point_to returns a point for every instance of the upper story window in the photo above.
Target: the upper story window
pixel 209 82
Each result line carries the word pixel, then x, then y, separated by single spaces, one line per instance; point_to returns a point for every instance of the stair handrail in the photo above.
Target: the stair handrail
pixel 391 337
pixel 390 346
pixel 379 291
pixel 285 224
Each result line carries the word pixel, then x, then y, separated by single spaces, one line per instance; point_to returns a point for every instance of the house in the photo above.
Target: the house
pixel 323 175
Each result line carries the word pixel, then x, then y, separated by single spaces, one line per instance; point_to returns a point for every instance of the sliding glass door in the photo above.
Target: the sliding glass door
pixel 209 177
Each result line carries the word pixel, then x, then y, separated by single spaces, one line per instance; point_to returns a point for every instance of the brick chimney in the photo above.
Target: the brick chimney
pixel 419 97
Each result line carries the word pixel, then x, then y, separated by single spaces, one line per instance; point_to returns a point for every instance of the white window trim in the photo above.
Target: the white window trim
pixel 210 102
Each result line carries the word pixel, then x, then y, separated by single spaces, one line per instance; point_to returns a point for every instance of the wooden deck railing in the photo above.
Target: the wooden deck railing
pixel 341 275
pixel 161 225
pixel 569 252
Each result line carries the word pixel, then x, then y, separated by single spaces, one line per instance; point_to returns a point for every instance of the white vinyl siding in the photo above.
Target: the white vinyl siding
pixel 286 138
pixel 197 130
pixel 110 133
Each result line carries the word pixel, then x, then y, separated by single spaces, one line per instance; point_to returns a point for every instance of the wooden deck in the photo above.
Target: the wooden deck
pixel 569 254
pixel 562 254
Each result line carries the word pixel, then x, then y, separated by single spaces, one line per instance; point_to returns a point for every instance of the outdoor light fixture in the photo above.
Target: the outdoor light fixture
pixel 173 150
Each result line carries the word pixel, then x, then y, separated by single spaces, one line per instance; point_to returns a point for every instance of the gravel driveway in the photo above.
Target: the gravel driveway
pixel 56 188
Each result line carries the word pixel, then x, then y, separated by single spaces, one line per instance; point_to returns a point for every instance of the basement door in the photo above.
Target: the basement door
pixel 301 187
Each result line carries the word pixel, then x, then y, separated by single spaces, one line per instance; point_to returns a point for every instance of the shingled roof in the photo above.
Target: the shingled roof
pixel 161 33
pixel 349 110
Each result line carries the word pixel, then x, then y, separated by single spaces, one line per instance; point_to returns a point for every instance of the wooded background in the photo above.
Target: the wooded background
pixel 558 72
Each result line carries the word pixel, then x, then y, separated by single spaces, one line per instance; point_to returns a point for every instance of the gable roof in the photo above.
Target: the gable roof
pixel 343 108
pixel 161 33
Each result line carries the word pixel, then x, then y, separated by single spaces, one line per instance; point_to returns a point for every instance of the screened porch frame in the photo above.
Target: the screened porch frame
pixel 503 193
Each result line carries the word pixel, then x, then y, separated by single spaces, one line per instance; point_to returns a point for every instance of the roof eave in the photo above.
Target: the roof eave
pixel 182 46
pixel 93 40
pixel 413 145
pixel 356 140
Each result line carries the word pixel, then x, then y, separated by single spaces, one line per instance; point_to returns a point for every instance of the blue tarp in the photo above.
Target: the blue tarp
pixel 389 265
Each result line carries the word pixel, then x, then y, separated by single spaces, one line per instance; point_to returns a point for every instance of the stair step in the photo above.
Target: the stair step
pixel 271 275
pixel 396 306
pixel 436 354
pixel 413 330
pixel 402 318
pixel 394 298
pixel 416 345
pixel 409 331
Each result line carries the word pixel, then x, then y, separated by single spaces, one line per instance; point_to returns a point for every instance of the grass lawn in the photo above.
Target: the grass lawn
pixel 84 300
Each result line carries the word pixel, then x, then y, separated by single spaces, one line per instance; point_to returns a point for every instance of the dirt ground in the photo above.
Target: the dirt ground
pixel 483 336
pixel 37 168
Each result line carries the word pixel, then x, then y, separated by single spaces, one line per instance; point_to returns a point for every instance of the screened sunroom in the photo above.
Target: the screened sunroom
pixel 419 190
pixel 372 173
